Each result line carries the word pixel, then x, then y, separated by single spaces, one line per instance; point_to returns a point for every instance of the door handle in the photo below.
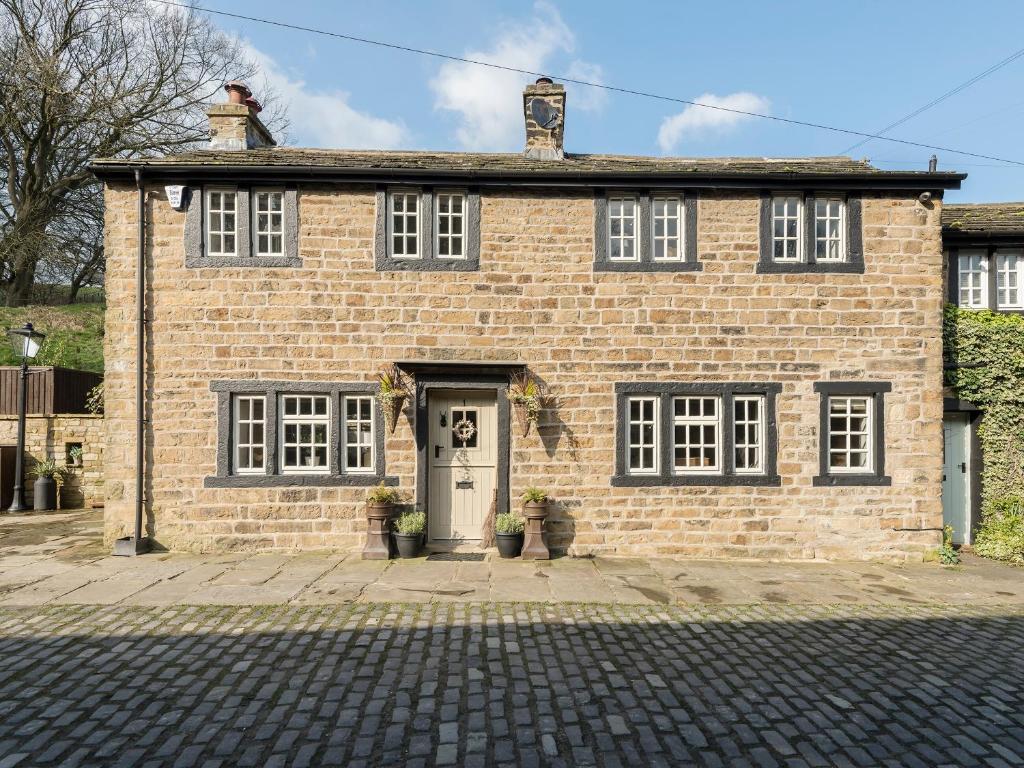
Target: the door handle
pixel 437 451
pixel 963 467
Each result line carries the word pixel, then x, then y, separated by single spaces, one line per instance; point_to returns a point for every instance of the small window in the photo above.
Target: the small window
pixel 404 224
pixel 787 218
pixel 305 433
pixel 667 224
pixel 221 225
pixel 972 268
pixel 852 433
pixel 697 434
pixel 622 229
pixel 643 435
pixel 249 434
pixel 748 431
pixel 451 220
pixel 268 222
pixel 1009 280
pixel 359 434
pixel 829 226
pixel 849 434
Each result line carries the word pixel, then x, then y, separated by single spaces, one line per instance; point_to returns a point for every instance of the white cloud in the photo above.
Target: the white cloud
pixel 697 122
pixel 488 101
pixel 583 96
pixel 324 118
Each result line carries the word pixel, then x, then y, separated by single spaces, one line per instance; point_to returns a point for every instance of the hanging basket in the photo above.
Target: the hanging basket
pixel 392 410
pixel 522 419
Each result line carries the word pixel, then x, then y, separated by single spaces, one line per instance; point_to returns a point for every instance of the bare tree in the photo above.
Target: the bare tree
pixel 93 78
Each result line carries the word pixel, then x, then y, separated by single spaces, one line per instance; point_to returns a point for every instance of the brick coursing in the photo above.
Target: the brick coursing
pixel 536 299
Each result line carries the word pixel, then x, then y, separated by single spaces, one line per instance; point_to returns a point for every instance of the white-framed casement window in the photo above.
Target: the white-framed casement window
pixel 305 428
pixel 829 229
pixel 250 423
pixel 1009 279
pixel 450 208
pixel 642 438
pixel 359 431
pixel 268 221
pixel 850 420
pixel 667 228
pixel 221 222
pixel 787 228
pixel 404 224
pixel 623 216
pixel 748 433
pixel 972 274
pixel 697 429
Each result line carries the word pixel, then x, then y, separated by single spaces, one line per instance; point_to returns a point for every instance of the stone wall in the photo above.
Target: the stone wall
pixel 50 437
pixel 537 300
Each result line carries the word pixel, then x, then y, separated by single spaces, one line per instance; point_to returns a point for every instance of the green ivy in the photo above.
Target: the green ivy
pixel 987 350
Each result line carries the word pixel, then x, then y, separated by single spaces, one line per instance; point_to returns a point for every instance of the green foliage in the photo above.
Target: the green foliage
pixel 381 494
pixel 948 555
pixel 988 350
pixel 411 523
pixel 94 400
pixel 509 522
pixel 46 468
pixel 74 335
pixel 1001 535
pixel 535 495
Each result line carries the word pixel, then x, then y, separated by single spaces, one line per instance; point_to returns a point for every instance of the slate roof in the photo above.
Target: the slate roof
pixel 984 219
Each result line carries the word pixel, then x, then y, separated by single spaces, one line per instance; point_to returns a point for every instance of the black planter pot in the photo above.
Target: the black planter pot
pixel 509 544
pixel 44 494
pixel 409 544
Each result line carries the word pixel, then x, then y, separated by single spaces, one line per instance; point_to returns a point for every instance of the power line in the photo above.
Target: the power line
pixel 574 81
pixel 964 85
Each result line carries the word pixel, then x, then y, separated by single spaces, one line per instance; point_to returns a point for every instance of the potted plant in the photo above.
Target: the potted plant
pixel 75 455
pixel 409 529
pixel 44 491
pixel 381 504
pixel 392 395
pixel 508 530
pixel 535 510
pixel 525 395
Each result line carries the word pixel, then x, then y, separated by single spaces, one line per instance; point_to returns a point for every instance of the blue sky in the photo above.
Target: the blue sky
pixel 859 65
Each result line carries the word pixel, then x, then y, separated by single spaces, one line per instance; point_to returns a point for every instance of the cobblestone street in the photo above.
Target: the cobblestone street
pixel 489 684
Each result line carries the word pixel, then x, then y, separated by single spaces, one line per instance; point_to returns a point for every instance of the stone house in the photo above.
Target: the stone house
pixel 741 356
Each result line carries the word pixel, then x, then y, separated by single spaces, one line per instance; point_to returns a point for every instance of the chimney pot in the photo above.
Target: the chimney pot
pixel 236 125
pixel 254 105
pixel 238 92
pixel 544 80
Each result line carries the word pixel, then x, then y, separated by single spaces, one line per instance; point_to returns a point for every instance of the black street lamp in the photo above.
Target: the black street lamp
pixel 25 342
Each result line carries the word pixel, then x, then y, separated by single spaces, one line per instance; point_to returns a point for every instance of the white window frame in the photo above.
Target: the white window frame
pixel 417 218
pixel 746 425
pixel 868 433
pixel 208 231
pixel 623 238
pixel 461 216
pixel 359 443
pixel 839 237
pixel 798 239
pixel 971 257
pixel 1002 257
pixel 700 420
pixel 299 419
pixel 257 192
pixel 236 434
pixel 680 219
pixel 654 445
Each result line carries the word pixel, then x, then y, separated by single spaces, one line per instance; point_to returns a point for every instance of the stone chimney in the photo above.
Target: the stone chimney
pixel 544 109
pixel 235 125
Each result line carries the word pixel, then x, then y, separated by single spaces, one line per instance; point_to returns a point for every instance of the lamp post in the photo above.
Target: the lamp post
pixel 25 342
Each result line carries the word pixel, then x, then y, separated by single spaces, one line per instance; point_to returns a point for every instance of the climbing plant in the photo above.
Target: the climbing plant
pixel 984 356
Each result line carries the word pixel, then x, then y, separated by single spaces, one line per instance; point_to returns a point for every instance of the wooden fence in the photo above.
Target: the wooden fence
pixel 50 390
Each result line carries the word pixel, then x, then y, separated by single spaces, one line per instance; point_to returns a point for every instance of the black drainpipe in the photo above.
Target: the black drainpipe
pixel 137 544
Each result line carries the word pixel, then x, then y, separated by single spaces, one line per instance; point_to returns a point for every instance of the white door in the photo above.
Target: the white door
pixel 463 463
pixel 956 476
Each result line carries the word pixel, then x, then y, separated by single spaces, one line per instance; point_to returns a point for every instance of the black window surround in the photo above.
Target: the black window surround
pixel 245 255
pixel 428 260
pixel 876 391
pixel 852 264
pixel 953 275
pixel 665 392
pixel 272 477
pixel 645 231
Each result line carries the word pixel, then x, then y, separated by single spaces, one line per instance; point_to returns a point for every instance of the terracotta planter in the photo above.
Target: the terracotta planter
pixel 378 531
pixel 534 547
pixel 409 544
pixel 509 544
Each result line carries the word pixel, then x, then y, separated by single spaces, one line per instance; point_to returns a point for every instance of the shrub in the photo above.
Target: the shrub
pixel 948 555
pixel 411 523
pixel 381 494
pixel 535 496
pixel 509 522
pixel 46 468
pixel 1001 534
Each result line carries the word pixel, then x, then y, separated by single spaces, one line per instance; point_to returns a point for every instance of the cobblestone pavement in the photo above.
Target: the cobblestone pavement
pixel 511 684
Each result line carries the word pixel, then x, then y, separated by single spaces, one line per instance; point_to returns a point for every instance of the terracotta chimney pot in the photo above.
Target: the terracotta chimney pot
pixel 238 92
pixel 254 105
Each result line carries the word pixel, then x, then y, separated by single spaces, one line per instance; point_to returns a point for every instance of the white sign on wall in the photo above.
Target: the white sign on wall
pixel 175 196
